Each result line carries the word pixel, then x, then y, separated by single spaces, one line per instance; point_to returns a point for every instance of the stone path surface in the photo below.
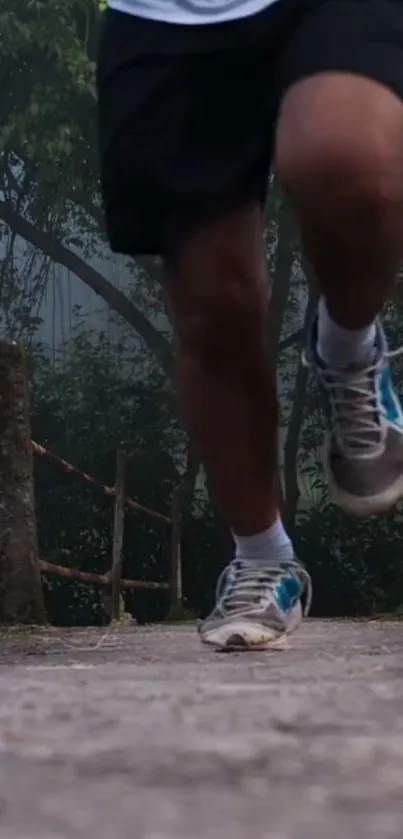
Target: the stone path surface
pixel 150 736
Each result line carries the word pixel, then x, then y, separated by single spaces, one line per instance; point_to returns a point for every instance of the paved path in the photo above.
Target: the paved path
pixel 153 737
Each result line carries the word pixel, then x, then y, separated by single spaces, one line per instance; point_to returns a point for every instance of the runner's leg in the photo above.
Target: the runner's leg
pixel 339 154
pixel 185 151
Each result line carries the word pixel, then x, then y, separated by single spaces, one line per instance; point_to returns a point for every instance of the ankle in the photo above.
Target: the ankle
pixel 268 546
pixel 339 347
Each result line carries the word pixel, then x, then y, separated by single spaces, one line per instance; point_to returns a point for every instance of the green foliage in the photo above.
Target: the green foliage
pixel 48 113
pixel 355 565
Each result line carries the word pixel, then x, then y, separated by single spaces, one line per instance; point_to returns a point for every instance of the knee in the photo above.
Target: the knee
pixel 337 166
pixel 224 322
pixel 346 175
pixel 220 291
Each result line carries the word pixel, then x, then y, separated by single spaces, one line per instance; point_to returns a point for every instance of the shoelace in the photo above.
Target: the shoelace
pixel 357 423
pixel 251 584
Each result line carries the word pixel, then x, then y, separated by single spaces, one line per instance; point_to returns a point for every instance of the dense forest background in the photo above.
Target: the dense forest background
pixel 101 349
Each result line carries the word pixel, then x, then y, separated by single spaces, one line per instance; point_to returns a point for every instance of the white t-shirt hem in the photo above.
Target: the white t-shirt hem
pixel 174 13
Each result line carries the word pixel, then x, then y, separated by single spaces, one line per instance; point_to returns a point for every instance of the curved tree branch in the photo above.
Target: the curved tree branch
pixel 54 248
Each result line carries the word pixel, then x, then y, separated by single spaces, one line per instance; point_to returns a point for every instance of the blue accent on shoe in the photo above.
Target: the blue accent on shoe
pixel 229 579
pixel 288 592
pixel 389 398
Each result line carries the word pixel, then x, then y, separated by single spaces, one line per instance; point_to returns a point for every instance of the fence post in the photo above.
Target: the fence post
pixel 21 599
pixel 118 532
pixel 176 555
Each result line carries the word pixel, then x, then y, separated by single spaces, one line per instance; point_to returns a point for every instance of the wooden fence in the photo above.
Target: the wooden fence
pixel 21 597
pixel 113 579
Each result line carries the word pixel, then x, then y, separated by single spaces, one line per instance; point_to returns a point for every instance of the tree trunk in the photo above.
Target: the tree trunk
pixel 21 598
pixel 281 277
pixel 291 445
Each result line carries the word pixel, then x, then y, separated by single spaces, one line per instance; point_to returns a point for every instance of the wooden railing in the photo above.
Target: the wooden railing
pixel 21 596
pixel 113 578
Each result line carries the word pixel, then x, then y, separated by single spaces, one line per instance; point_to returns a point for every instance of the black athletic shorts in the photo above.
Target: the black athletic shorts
pixel 187 113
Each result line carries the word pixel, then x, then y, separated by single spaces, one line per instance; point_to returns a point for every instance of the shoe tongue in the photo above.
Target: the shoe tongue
pixel 367 361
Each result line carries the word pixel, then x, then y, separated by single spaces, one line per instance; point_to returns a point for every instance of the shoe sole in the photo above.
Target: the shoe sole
pixel 237 644
pixel 372 505
pixel 247 637
pixel 363 506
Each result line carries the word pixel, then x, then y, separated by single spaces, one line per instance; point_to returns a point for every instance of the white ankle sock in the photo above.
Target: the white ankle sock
pixel 267 547
pixel 339 347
